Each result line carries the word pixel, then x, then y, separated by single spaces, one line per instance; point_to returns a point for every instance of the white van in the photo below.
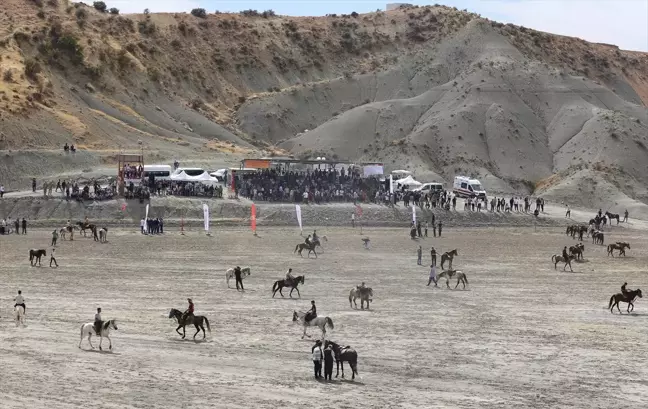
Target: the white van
pixel 160 172
pixel 465 187
pixel 433 187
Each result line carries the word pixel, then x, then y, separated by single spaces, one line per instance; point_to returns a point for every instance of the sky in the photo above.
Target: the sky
pixel 620 22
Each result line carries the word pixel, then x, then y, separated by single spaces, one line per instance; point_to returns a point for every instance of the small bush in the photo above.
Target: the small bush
pixel 147 12
pixel 200 13
pixel 354 15
pixel 100 5
pixel 81 13
pixel 114 11
pixel 40 14
pixel 250 13
pixel 197 103
pixel 8 75
pixel 241 99
pixel 38 3
pixel 268 14
pixel 53 3
pixel 32 67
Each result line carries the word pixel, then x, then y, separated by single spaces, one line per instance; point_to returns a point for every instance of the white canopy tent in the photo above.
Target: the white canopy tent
pixel 409 182
pixel 203 178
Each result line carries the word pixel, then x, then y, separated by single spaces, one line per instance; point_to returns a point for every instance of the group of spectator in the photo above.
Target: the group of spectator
pixel 152 226
pixel 310 186
pixel 173 188
pixel 5 227
pixel 132 172
pixel 69 148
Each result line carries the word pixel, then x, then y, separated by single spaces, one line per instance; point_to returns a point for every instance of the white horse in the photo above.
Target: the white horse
pixel 19 315
pixel 320 322
pixel 89 329
pixel 229 274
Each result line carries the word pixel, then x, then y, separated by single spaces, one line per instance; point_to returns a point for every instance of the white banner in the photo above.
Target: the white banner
pixel 146 219
pixel 206 214
pixel 414 213
pixel 391 184
pixel 372 170
pixel 299 220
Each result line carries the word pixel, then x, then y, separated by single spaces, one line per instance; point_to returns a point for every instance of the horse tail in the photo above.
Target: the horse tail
pixel 31 255
pixel 82 325
pixel 553 258
pixel 207 322
pixel 611 301
pixel 466 278
pixel 329 321
pixel 275 285
pixel 296 247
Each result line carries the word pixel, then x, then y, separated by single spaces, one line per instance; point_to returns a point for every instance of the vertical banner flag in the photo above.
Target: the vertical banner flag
pixel 253 218
pixel 299 220
pixel 123 207
pixel 414 214
pixel 146 219
pixel 206 214
pixel 358 210
pixel 391 184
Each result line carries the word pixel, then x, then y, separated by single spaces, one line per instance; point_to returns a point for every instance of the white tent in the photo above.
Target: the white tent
pixel 409 182
pixel 203 178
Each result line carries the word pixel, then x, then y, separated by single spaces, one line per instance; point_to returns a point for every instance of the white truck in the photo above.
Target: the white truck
pixel 464 186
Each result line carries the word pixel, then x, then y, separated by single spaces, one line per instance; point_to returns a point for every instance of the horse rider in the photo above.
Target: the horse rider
pixel 308 240
pixel 289 277
pixel 564 253
pixel 19 300
pixel 98 322
pixel 315 238
pixel 362 286
pixel 190 310
pixel 624 291
pixel 312 313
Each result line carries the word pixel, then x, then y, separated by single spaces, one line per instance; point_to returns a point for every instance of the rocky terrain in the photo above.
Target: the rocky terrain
pixel 433 89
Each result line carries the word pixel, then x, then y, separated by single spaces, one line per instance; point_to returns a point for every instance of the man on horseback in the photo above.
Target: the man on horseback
pixel 312 313
pixel 315 239
pixel 19 300
pixel 189 312
pixel 624 291
pixel 98 322
pixel 289 277
pixel 308 240
pixel 564 253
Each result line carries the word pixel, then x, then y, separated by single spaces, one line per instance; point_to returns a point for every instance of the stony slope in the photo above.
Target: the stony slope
pixel 441 90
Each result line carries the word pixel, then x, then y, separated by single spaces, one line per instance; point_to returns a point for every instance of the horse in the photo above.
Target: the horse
pixel 19 315
pixel 35 256
pixel 612 216
pixel 89 329
pixel 318 242
pixel 449 255
pixel 448 274
pixel 342 354
pixel 65 230
pixel 617 298
pixel 598 237
pixel 320 322
pixel 229 274
pixel 197 321
pixel 85 226
pixel 293 284
pixel 560 259
pixel 621 246
pixel 303 246
pixel 103 235
pixel 577 251
pixel 364 294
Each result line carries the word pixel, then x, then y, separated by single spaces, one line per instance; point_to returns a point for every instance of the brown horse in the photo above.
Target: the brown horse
pixel 629 297
pixel 196 320
pixel 560 259
pixel 621 246
pixel 448 274
pixel 293 284
pixel 344 354
pixel 35 256
pixel 577 251
pixel 448 256
pixel 303 246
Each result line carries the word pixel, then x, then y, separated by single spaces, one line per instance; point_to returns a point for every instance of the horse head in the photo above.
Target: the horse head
pixel 639 293
pixel 174 313
pixel 300 279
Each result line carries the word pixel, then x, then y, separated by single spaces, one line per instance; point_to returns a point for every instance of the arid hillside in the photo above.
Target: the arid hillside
pixel 435 89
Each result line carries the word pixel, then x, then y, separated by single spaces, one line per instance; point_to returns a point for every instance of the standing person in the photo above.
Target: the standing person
pixel 55 235
pixel 98 322
pixel 53 259
pixel 24 226
pixel 625 216
pixel 142 223
pixel 237 274
pixel 353 220
pixel 440 228
pixel 317 358
pixel 58 186
pixel 568 213
pixel 1 191
pixel 433 255
pixel 161 226
pixel 328 362
pixel 432 275
pixel 17 225
pixel 19 300
pixel 426 228
pixel 434 228
pixel 418 229
pixel 34 185
pixel 419 254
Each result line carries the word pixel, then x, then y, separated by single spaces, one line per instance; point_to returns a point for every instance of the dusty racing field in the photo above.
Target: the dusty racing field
pixel 522 335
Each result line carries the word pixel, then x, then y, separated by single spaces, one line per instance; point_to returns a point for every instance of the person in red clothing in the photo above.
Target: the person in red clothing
pixel 190 310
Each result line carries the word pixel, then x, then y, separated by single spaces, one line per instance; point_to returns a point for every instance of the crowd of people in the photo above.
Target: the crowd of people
pixel 132 172
pixel 174 188
pixel 310 186
pixel 7 227
pixel 152 225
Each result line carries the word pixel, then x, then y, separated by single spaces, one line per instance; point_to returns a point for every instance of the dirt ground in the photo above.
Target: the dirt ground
pixel 521 335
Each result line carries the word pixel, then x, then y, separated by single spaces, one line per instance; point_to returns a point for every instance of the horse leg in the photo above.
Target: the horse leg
pixel 342 363
pixel 184 333
pixel 109 343
pixel 304 334
pixel 90 340
pixel 337 370
pixel 197 331
pixel 100 342
pixel 179 326
pixel 298 294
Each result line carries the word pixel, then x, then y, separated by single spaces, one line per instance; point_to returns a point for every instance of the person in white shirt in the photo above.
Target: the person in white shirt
pixel 142 223
pixel 19 300
pixel 317 358
pixel 1 191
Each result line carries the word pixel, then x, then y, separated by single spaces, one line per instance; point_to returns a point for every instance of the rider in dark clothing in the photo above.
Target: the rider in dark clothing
pixel 564 253
pixel 308 240
pixel 312 313
pixel 624 291
pixel 98 321
pixel 190 310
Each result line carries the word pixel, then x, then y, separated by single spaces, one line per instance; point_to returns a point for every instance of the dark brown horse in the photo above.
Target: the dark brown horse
pixel 293 284
pixel 560 259
pixel 303 246
pixel 448 256
pixel 621 246
pixel 35 256
pixel 196 320
pixel 86 226
pixel 612 216
pixel 629 297
pixel 577 251
pixel 347 354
